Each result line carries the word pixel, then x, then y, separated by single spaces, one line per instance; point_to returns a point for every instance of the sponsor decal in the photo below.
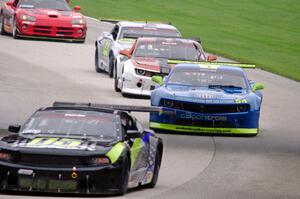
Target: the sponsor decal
pixel 202 117
pixel 54 142
pixel 25 172
pixel 74 115
pixel 204 95
pixel 203 130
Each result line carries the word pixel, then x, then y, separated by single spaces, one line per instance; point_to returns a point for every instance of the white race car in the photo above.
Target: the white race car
pixel 122 36
pixel 153 56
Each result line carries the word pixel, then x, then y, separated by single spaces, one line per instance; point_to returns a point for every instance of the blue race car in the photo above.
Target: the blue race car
pixel 215 98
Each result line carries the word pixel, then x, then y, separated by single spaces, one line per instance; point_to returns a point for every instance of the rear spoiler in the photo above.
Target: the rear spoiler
pixel 114 21
pixel 109 106
pixel 197 39
pixel 136 36
pixel 240 65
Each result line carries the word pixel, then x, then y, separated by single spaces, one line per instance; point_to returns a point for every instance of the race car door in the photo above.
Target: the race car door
pixel 139 155
pixel 106 45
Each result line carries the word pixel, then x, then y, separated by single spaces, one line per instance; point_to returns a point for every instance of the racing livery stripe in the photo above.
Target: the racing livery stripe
pixel 115 152
pixel 135 150
pixel 196 129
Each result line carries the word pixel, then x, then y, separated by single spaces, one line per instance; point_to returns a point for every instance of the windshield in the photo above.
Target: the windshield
pixel 208 78
pixel 60 5
pixel 74 123
pixel 172 49
pixel 135 32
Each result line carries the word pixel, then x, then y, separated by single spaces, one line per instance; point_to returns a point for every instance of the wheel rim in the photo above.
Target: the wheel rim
pixel 96 59
pixel 0 23
pixel 15 28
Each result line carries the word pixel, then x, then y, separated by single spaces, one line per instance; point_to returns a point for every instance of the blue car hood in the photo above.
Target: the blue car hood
pixel 206 95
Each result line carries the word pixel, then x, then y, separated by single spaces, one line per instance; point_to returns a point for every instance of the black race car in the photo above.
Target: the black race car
pixel 80 148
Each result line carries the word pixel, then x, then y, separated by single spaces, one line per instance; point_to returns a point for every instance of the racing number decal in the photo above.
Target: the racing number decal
pixel 59 142
pixel 106 47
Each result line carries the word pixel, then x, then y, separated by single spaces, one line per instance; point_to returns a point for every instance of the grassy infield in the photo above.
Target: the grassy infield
pixel 264 32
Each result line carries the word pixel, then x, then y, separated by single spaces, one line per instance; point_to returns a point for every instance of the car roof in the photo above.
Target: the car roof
pixel 79 108
pixel 223 67
pixel 165 39
pixel 145 24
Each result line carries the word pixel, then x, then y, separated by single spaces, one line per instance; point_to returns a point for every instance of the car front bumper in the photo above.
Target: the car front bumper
pixel 136 84
pixel 47 30
pixel 88 180
pixel 226 123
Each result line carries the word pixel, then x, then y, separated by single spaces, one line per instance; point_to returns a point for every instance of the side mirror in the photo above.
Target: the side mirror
pixel 157 79
pixel 14 128
pixel 107 35
pixel 257 86
pixel 133 134
pixel 77 8
pixel 125 53
pixel 212 58
pixel 10 4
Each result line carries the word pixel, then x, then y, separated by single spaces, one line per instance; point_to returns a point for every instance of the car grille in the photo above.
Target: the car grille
pixel 51 160
pixel 55 30
pixel 204 108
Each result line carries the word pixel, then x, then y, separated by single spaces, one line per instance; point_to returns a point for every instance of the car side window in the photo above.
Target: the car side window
pixel 115 32
pixel 16 3
pixel 139 126
pixel 127 122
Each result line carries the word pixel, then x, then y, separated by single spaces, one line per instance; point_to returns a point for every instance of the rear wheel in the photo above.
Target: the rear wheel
pixel 2 31
pixel 98 70
pixel 155 172
pixel 124 177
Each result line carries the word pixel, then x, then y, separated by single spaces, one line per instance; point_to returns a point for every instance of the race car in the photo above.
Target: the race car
pixel 45 19
pixel 153 56
pixel 80 148
pixel 212 98
pixel 122 37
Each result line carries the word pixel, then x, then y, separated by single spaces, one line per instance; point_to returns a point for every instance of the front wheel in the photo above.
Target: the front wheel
pixel 15 29
pixel 98 70
pixel 124 177
pixel 116 79
pixel 111 66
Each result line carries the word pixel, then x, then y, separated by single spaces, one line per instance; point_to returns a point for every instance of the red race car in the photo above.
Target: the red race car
pixel 42 19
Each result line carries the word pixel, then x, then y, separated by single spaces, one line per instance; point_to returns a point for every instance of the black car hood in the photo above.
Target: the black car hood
pixel 55 145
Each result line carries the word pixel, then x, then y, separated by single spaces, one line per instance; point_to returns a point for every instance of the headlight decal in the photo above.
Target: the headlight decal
pixel 27 18
pixel 115 152
pixel 77 21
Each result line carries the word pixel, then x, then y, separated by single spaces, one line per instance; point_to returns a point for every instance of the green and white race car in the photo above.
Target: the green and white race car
pixel 122 36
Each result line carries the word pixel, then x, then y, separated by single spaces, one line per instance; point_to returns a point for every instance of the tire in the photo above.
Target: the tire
pixel 124 177
pixel 98 70
pixel 2 31
pixel 111 66
pixel 116 79
pixel 156 171
pixel 15 29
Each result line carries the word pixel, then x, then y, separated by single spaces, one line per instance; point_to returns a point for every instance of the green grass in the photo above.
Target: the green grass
pixel 263 32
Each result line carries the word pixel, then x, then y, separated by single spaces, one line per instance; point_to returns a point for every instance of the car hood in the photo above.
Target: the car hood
pixel 203 95
pixel 45 143
pixel 152 64
pixel 125 44
pixel 45 14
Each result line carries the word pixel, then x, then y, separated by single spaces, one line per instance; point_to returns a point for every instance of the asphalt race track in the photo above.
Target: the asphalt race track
pixel 36 73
